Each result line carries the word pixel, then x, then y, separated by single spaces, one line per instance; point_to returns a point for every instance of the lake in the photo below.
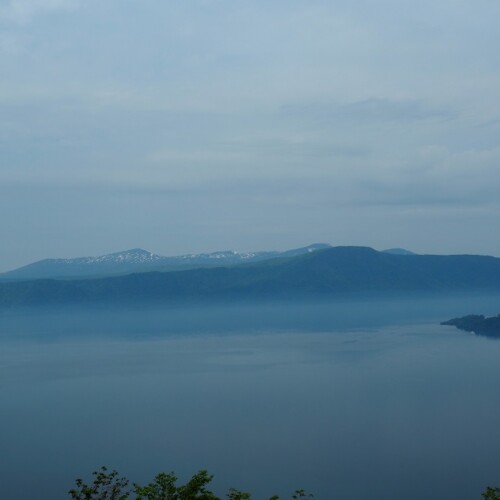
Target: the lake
pixel 348 399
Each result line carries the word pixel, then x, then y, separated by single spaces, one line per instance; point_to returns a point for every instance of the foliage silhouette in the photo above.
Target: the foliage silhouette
pixel 111 486
pixel 106 486
pixel 492 493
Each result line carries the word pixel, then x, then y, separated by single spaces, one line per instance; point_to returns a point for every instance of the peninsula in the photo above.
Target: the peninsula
pixel 478 324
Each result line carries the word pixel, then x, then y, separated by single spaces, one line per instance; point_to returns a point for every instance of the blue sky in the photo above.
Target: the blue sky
pixel 189 126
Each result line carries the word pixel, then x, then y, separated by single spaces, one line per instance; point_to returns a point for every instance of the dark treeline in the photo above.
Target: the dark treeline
pixel 111 486
pixel 477 323
pixel 339 271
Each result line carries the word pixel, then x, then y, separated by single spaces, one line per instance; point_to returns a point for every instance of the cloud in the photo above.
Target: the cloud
pixel 23 11
pixel 436 178
pixel 286 113
pixel 373 110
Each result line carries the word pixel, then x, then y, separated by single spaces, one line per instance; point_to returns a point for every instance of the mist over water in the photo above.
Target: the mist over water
pixel 349 400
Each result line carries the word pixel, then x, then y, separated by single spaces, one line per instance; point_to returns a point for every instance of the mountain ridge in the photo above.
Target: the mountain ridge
pixel 331 272
pixel 138 259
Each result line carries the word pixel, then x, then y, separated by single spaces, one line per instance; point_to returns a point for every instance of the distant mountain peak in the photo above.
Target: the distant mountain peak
pixel 135 255
pixel 339 271
pixel 137 251
pixel 138 260
pixel 131 251
pixel 319 246
pixel 399 251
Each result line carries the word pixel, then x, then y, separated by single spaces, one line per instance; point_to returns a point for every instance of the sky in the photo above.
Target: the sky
pixel 202 125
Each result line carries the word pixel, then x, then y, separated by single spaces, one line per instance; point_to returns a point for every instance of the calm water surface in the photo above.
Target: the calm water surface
pixel 348 400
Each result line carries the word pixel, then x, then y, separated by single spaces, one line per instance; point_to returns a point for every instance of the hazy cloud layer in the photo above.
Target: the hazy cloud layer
pixel 192 126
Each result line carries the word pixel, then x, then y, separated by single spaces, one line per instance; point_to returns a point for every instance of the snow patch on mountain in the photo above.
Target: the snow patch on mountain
pixel 139 260
pixel 134 256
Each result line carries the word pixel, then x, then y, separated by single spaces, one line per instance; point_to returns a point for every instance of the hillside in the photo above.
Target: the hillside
pixel 336 271
pixel 478 324
pixel 138 260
